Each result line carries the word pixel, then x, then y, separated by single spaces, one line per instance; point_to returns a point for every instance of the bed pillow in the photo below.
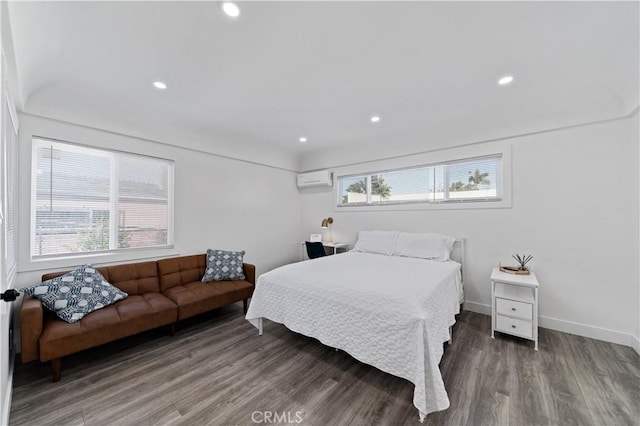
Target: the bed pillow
pixel 223 265
pixel 380 242
pixel 75 294
pixel 424 246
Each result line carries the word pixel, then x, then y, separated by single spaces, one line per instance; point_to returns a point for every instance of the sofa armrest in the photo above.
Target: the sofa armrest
pixel 31 317
pixel 249 272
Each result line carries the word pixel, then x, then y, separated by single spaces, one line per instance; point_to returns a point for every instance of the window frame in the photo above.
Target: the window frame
pixel 450 156
pixel 9 190
pixel 111 253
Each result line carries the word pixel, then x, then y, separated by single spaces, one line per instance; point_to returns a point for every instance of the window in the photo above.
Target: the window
pixel 87 200
pixel 475 179
pixel 8 199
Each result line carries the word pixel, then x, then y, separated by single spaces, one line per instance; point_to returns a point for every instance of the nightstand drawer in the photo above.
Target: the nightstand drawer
pixel 514 309
pixel 514 326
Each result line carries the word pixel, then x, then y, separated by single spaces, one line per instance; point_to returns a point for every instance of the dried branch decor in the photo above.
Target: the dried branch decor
pixel 522 260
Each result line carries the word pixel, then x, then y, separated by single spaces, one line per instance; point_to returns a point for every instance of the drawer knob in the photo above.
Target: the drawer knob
pixel 513 309
pixel 513 326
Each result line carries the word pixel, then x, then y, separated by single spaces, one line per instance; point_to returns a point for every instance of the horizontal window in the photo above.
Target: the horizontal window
pixel 87 200
pixel 474 179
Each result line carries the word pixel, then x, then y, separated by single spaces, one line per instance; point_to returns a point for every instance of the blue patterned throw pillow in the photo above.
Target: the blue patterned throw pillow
pixel 223 265
pixel 76 293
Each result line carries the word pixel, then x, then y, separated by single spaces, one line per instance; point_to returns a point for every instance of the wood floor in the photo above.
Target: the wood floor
pixel 217 370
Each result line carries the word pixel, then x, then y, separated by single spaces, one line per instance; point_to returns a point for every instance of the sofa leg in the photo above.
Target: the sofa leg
pixel 172 329
pixel 245 305
pixel 56 367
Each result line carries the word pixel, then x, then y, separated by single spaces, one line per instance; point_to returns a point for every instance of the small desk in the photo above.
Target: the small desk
pixel 335 248
pixel 514 305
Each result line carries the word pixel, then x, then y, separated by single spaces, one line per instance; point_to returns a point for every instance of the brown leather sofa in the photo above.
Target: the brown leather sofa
pixel 160 293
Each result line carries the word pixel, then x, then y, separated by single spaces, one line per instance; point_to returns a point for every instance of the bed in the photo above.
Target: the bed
pixel 390 311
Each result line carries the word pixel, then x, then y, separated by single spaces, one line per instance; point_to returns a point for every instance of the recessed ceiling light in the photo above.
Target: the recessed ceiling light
pixel 159 85
pixel 375 119
pixel 303 139
pixel 231 9
pixel 507 79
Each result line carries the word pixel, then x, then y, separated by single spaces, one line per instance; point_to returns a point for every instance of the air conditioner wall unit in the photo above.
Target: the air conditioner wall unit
pixel 320 178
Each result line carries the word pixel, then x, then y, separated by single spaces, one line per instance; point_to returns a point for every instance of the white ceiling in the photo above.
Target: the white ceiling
pixel 321 69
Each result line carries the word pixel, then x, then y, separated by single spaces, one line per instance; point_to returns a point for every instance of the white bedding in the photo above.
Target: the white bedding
pixel 390 312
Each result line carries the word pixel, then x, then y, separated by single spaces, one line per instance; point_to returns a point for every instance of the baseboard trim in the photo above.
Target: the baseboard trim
pixel 593 332
pixel 636 343
pixel 579 329
pixel 479 308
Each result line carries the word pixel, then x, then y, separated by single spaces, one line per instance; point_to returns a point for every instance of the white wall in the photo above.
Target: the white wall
pixel 219 202
pixel 569 208
pixel 572 209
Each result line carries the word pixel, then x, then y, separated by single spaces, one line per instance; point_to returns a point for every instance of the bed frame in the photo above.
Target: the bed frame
pixel 457 254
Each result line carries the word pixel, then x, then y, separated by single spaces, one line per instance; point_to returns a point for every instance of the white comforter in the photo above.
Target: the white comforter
pixel 390 312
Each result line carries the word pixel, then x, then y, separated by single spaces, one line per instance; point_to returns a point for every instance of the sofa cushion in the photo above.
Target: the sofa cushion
pixel 132 278
pixel 75 294
pixel 127 317
pixel 179 270
pixel 198 297
pixel 223 265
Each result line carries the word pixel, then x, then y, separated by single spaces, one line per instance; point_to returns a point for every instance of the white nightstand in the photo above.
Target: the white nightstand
pixel 514 305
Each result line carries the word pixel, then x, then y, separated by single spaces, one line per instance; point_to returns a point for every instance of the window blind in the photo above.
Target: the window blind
pixel 89 200
pixel 10 178
pixel 472 179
